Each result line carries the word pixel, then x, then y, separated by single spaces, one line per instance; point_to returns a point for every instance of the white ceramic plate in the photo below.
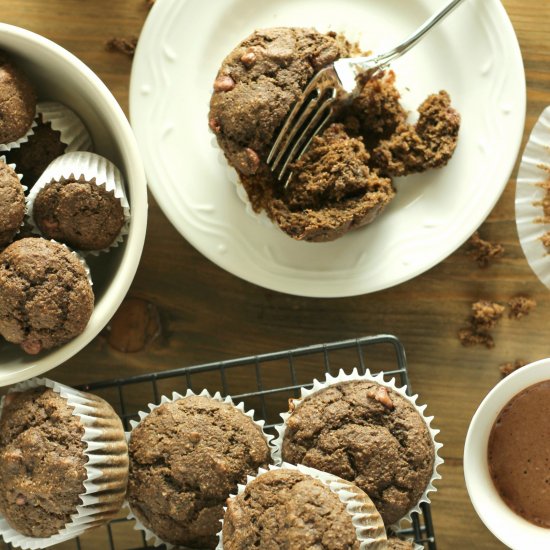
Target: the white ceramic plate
pixel 474 55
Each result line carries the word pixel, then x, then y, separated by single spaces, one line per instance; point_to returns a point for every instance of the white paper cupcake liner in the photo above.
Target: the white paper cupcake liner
pixel 72 131
pixel 232 176
pixel 369 527
pixel 534 170
pixel 379 378
pixel 106 469
pixel 17 143
pixel 82 164
pixel 138 526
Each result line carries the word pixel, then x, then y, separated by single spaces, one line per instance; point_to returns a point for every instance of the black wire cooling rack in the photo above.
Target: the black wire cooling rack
pixel 265 383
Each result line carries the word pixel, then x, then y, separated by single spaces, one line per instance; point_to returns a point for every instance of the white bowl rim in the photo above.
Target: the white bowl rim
pixel 506 525
pixel 135 172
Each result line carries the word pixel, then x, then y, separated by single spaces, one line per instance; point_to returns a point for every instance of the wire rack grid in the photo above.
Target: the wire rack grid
pixel 266 382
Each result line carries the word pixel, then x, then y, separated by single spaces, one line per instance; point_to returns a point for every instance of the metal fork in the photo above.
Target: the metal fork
pixel 338 83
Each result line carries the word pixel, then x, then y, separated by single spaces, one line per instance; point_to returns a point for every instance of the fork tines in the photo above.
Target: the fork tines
pixel 306 119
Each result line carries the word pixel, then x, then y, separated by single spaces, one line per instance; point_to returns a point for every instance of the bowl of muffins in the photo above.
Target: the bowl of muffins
pixel 73 205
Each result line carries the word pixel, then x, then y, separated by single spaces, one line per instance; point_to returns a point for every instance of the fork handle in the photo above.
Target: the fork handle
pixel 372 64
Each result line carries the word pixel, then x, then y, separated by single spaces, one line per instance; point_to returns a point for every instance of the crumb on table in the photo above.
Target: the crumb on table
pixel 484 252
pixel 485 314
pixel 471 337
pixel 509 368
pixel 125 45
pixel 520 306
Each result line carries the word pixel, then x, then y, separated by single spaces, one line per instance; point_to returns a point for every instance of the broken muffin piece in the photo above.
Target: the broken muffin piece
pixel 430 143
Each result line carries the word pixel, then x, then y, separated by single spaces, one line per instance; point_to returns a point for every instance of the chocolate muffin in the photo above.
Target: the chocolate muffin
pixel 186 457
pixel 45 296
pixel 34 156
pixel 257 85
pixel 366 433
pixel 17 101
pixel 287 509
pixel 12 204
pixel 42 462
pixel 78 212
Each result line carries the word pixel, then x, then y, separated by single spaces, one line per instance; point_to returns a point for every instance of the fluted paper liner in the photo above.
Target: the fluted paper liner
pixel 369 527
pixel 139 526
pixel 106 469
pixel 379 379
pixel 232 176
pixel 86 165
pixel 18 142
pixel 534 171
pixel 72 131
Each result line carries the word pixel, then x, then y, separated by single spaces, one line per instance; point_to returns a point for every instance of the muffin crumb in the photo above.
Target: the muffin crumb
pixel 509 368
pixel 520 306
pixel 470 337
pixel 484 252
pixel 125 45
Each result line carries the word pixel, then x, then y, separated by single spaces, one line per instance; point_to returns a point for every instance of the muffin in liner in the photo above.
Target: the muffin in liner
pixel 106 469
pixel 17 143
pixel 24 187
pixel 89 167
pixel 72 131
pixel 368 523
pixel 139 526
pixel 379 379
pixel 533 199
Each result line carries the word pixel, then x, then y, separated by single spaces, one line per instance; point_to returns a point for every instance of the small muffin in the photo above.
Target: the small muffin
pixel 366 433
pixel 12 204
pixel 186 457
pixel 17 101
pixel 283 509
pixel 44 459
pixel 46 298
pixel 58 130
pixel 78 212
pixel 42 462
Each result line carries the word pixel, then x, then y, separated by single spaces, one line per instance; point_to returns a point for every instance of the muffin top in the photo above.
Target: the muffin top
pixel 395 543
pixel 12 204
pixel 287 509
pixel 17 101
pixel 33 157
pixel 45 296
pixel 79 213
pixel 186 457
pixel 365 433
pixel 42 462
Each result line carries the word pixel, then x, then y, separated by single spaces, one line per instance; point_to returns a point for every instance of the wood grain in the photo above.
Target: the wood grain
pixel 207 314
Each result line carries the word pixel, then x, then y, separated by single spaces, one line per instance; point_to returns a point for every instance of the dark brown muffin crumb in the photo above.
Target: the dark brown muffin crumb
pixel 45 296
pixel 288 509
pixel 509 368
pixel 12 204
pixel 344 430
pixel 79 213
pixel 484 252
pixel 186 458
pixel 17 101
pixel 430 143
pixel 121 44
pixel 471 337
pixel 520 306
pixel 33 157
pixel 42 462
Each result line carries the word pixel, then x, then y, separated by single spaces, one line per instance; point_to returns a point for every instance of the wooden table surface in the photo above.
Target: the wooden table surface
pixel 207 314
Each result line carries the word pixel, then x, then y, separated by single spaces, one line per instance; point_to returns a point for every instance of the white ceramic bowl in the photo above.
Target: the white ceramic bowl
pixel 58 75
pixel 506 525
